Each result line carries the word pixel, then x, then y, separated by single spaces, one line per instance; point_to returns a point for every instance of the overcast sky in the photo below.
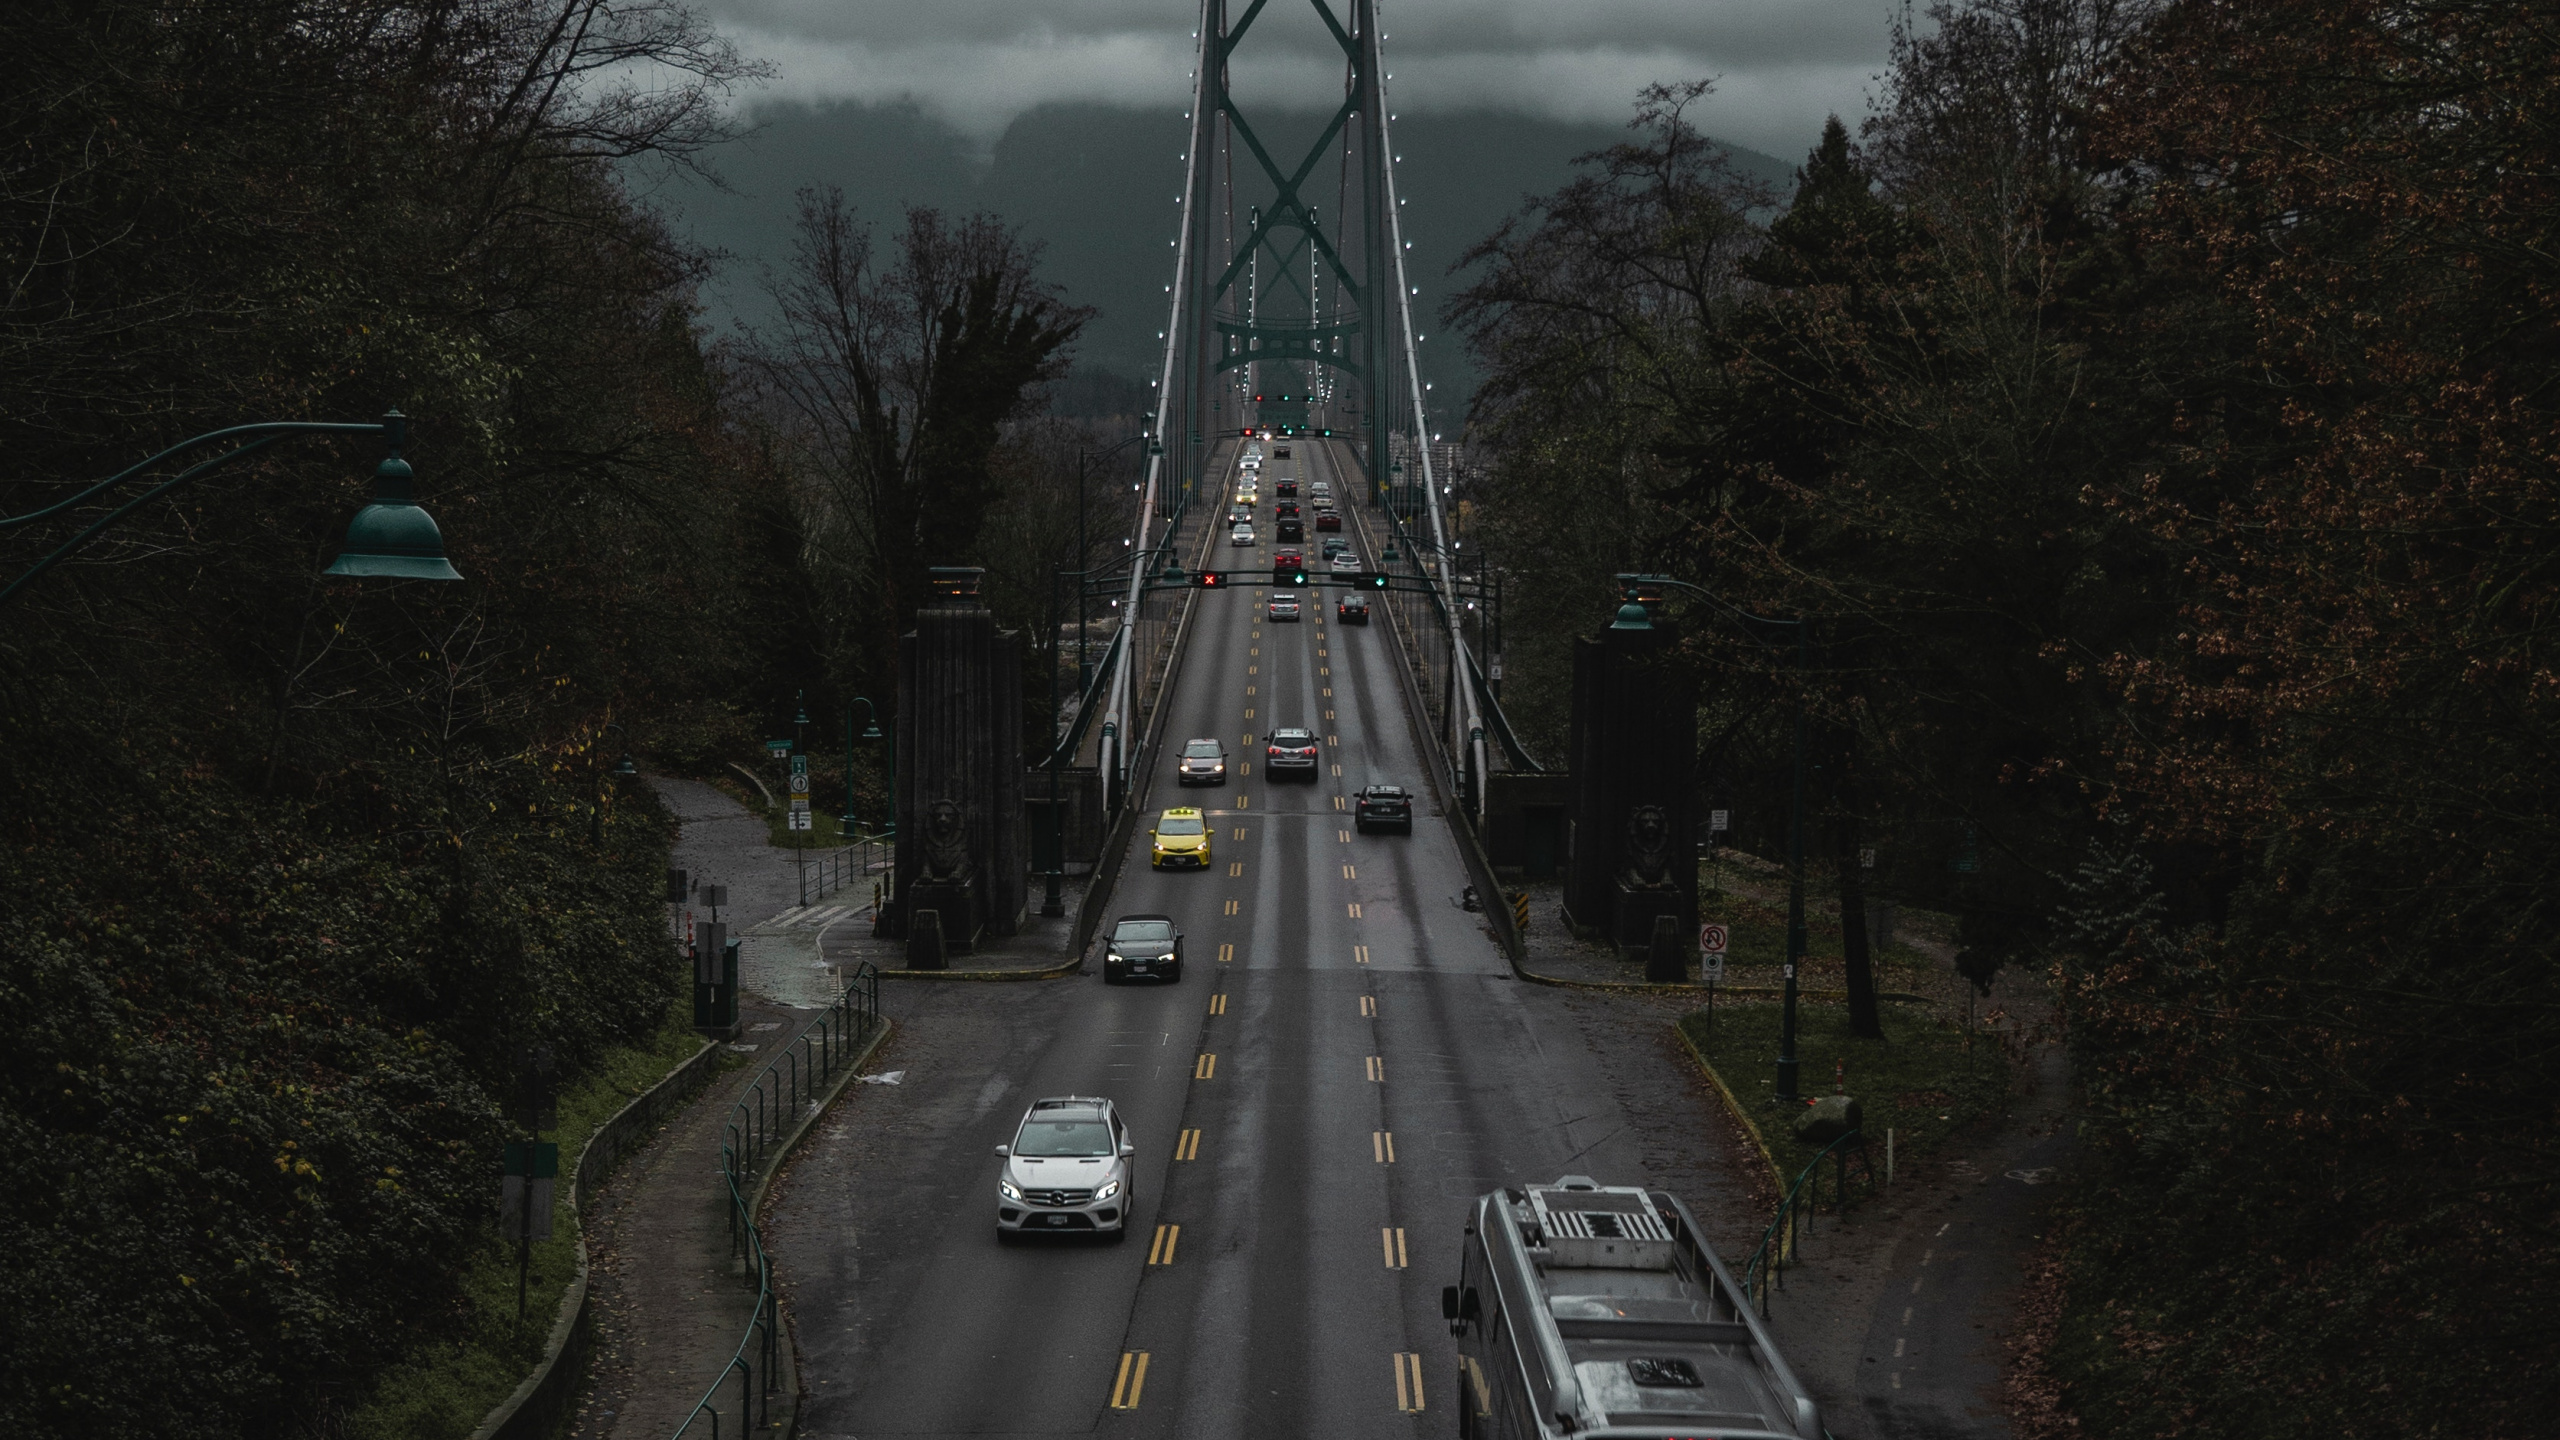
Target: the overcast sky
pixel 1779 65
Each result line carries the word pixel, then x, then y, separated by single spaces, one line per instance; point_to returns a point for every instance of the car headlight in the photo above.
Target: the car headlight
pixel 1109 1189
pixel 1114 958
pixel 1006 1186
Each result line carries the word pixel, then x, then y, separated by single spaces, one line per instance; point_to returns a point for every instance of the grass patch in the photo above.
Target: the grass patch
pixel 1756 944
pixel 446 1389
pixel 826 832
pixel 1921 1080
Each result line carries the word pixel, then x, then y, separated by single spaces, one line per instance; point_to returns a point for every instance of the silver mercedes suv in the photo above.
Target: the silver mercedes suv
pixel 1067 1171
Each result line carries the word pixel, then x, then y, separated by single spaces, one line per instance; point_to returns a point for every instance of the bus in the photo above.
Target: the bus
pixel 1599 1312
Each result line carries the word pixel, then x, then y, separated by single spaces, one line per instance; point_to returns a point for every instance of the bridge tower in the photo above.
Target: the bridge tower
pixel 1291 309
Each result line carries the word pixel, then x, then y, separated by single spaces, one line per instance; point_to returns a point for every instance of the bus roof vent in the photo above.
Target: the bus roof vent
pixel 1601 1227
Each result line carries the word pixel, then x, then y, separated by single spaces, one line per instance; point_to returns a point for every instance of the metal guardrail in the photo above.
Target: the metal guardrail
pixel 759 1120
pixel 1779 1244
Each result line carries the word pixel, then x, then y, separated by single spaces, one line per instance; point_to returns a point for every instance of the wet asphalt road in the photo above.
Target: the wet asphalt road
pixel 1345 1063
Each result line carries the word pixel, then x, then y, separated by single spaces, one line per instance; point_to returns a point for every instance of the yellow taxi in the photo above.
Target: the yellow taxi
pixel 1180 840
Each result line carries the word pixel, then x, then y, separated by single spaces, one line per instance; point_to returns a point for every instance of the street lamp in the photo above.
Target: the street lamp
pixel 391 538
pixel 1633 616
pixel 870 731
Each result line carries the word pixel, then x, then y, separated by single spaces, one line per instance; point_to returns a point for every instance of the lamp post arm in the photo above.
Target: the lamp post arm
pixel 82 540
pixel 1718 601
pixel 273 430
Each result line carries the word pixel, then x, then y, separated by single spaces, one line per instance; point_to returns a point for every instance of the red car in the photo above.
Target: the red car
pixel 1327 520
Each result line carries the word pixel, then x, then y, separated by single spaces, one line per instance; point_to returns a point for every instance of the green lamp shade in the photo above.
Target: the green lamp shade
pixel 626 769
pixel 1632 616
pixel 871 731
pixel 392 538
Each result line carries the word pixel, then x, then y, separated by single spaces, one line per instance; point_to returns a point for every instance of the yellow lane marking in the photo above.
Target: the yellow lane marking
pixel 1248 689
pixel 1256 650
pixel 1207 1067
pixel 1248 712
pixel 1188 1147
pixel 1354 908
pixel 1245 767
pixel 1343 835
pixel 1377 1068
pixel 1231 906
pixel 1359 954
pixel 1332 739
pixel 1133 1379
pixel 1408 1382
pixel 1325 670
pixel 1350 872
pixel 1368 1004
pixel 1328 714
pixel 1226 953
pixel 1239 832
pixel 1257 634
pixel 1248 739
pixel 1319 649
pixel 1337 769
pixel 1391 1240
pixel 1235 868
pixel 1337 802
pixel 1382 1146
pixel 1161 1252
pixel 1253 669
pixel 1218 1003
pixel 1328 694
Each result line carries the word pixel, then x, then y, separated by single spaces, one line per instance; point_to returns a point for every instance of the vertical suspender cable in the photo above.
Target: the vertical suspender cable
pixel 1469 740
pixel 1123 690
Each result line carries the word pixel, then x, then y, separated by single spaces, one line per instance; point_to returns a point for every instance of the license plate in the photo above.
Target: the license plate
pixel 1057 1219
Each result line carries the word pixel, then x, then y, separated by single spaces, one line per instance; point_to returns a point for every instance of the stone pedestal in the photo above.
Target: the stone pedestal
pixel 957 905
pixel 924 940
pixel 1637 907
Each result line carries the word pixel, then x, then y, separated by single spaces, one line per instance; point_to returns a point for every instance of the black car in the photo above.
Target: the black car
pixel 1292 531
pixel 1287 487
pixel 1291 752
pixel 1384 807
pixel 1354 610
pixel 1143 947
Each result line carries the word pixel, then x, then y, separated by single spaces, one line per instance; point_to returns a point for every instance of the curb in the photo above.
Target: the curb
pixel 781 1155
pixel 534 1409
pixel 1649 987
pixel 1732 1105
pixel 1058 971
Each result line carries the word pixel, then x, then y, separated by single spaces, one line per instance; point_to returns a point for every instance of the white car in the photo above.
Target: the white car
pixel 1067 1171
pixel 1242 536
pixel 1346 564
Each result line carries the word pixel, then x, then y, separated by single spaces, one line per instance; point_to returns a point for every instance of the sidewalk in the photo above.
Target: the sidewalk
pixel 667 1297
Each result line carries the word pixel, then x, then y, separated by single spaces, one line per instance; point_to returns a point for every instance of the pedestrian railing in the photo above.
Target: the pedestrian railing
pixel 1781 1245
pixel 787 1089
pixel 865 859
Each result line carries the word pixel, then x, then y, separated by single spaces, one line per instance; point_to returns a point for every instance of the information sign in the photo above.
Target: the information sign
pixel 1711 969
pixel 1716 820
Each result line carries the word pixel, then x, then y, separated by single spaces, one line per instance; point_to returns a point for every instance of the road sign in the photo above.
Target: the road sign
pixel 1867 858
pixel 801 820
pixel 1718 820
pixel 1711 941
pixel 1711 969
pixel 799 766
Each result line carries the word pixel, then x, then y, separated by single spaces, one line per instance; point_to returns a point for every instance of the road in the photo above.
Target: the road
pixel 1346 1062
